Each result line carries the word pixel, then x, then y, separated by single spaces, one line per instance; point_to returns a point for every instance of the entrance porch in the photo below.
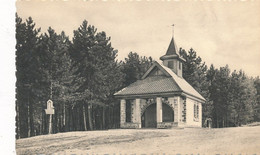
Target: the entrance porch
pixel 159 112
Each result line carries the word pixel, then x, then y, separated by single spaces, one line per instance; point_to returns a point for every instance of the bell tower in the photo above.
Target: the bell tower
pixel 172 58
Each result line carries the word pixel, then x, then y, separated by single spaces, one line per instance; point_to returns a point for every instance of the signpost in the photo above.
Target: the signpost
pixel 50 111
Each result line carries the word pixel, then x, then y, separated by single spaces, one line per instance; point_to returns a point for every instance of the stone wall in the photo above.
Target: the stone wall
pixel 163 125
pixel 145 103
pixel 122 111
pixel 183 109
pixel 132 111
pixel 174 102
pixel 130 125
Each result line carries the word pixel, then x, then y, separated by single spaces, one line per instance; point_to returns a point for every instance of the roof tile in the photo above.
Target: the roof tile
pixel 160 84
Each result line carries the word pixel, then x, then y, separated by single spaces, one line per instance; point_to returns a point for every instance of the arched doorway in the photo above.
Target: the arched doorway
pixel 168 113
pixel 149 117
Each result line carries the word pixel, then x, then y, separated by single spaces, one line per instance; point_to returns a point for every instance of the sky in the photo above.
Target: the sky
pixel 221 32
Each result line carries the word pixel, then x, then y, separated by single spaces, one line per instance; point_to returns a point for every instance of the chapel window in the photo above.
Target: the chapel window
pixel 170 64
pixel 196 111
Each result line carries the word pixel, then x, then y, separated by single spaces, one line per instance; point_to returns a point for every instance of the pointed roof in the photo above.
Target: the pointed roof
pixel 170 83
pixel 172 52
pixel 172 48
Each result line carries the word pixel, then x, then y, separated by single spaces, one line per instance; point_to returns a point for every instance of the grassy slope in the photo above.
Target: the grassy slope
pixel 191 140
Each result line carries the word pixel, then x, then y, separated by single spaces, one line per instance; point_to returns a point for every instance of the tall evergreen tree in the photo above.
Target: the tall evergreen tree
pixel 28 75
pixel 95 58
pixel 59 73
pixel 134 67
pixel 257 103
pixel 219 89
pixel 242 97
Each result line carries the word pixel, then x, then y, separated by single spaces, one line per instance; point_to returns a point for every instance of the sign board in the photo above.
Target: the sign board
pixel 49 111
pixel 50 108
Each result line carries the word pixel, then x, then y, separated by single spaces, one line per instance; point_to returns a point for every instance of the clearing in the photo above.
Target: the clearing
pixel 240 140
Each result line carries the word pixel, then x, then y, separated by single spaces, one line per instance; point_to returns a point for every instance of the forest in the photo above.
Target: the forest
pixel 81 74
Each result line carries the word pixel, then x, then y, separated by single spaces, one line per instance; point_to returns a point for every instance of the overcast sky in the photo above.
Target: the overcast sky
pixel 220 32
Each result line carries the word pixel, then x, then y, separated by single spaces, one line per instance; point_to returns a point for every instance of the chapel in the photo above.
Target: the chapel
pixel 161 98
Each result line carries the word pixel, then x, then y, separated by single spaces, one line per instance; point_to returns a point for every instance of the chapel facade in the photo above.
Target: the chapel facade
pixel 161 98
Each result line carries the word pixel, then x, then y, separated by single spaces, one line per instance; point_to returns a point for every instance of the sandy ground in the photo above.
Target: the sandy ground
pixel 241 140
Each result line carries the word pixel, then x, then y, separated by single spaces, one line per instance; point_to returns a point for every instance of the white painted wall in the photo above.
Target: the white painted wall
pixel 190 121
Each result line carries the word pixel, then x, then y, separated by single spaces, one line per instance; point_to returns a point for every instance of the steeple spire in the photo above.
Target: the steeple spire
pixel 172 49
pixel 172 58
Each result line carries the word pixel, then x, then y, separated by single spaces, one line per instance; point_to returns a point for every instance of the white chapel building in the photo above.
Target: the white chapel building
pixel 161 98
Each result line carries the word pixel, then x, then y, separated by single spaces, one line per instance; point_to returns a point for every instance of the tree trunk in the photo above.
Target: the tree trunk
pixel 17 121
pixel 78 119
pixel 104 117
pixel 84 117
pixel 93 117
pixel 69 119
pixel 90 117
pixel 28 120
pixel 31 120
pixel 112 121
pixel 72 121
pixel 109 117
pixel 57 121
pixel 238 120
pixel 217 122
pixel 64 118
pixel 41 124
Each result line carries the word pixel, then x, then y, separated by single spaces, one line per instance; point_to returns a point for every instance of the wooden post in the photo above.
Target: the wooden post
pixel 50 124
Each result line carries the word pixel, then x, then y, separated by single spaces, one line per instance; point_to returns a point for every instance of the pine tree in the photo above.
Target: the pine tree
pixel 28 75
pixel 242 98
pixel 95 58
pixel 134 67
pixel 257 103
pixel 219 95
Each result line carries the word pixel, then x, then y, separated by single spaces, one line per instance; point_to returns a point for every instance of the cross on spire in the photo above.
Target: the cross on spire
pixel 172 30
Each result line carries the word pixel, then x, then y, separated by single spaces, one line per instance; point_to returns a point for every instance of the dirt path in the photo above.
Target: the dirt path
pixel 244 140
